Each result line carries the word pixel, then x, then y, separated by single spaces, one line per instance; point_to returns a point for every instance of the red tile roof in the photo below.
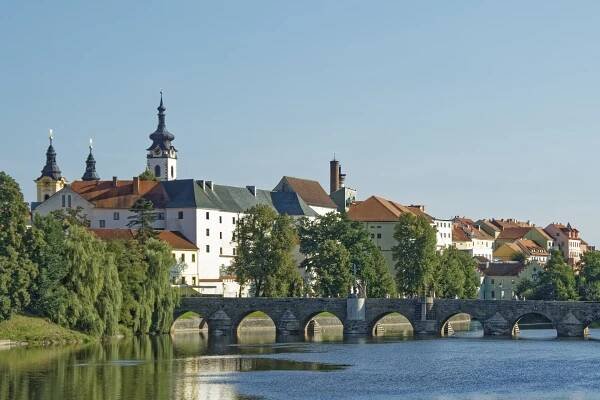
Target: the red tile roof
pixel 175 239
pixel 378 209
pixel 459 234
pixel 310 191
pixel 514 233
pixel 119 194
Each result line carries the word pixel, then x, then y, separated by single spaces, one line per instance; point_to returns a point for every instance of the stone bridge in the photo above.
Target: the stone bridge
pixel 360 316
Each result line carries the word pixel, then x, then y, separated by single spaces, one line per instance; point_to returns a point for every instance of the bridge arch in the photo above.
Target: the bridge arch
pixel 531 321
pixel 255 327
pixel 461 322
pixel 189 321
pixel 319 322
pixel 391 323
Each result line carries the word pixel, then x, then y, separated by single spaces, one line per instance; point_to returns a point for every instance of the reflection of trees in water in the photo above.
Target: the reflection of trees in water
pixel 139 368
pixel 128 369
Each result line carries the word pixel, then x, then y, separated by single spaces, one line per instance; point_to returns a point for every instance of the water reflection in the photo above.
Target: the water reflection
pixel 194 366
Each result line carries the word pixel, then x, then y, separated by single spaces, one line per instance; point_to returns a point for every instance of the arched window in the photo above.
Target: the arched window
pixel 46 196
pixel 157 171
pixel 172 171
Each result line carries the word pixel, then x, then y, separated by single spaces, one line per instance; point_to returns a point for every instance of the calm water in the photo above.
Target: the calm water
pixel 191 367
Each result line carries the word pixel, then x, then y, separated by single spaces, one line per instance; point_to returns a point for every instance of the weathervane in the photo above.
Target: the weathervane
pixel 50 135
pixel 91 144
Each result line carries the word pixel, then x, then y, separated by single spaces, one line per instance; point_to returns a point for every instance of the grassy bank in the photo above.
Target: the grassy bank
pixel 38 331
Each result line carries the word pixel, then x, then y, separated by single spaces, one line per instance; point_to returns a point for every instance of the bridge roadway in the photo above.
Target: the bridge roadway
pixel 360 316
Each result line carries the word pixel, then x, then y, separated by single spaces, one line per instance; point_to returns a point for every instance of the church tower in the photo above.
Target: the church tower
pixel 162 155
pixel 90 167
pixel 51 180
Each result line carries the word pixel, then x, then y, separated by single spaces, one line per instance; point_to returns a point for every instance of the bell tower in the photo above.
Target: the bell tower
pixel 90 173
pixel 162 155
pixel 51 180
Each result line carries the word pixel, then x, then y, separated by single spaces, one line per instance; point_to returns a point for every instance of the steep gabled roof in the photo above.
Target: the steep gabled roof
pixel 311 191
pixel 175 239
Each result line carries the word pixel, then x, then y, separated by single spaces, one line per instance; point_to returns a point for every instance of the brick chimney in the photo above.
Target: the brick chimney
pixel 114 182
pixel 334 176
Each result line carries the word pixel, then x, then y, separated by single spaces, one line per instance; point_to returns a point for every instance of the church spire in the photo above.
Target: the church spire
pixel 51 168
pixel 90 167
pixel 161 137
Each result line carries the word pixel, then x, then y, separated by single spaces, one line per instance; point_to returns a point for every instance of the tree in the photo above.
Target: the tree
pixel 414 255
pixel 555 282
pixel 147 175
pixel 372 271
pixel 264 243
pixel 78 285
pixel 589 278
pixel 157 255
pixel 457 275
pixel 143 219
pixel 137 307
pixel 16 269
pixel 332 270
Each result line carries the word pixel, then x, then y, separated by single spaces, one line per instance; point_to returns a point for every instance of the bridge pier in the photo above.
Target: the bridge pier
pixel 497 325
pixel 288 324
pixel 219 324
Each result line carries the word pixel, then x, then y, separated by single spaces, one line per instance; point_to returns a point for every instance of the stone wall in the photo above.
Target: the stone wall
pixel 291 315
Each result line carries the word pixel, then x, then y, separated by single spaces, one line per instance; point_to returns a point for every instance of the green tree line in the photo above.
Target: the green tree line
pixel 59 269
pixel 558 281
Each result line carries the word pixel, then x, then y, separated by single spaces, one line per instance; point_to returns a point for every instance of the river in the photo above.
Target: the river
pixel 190 366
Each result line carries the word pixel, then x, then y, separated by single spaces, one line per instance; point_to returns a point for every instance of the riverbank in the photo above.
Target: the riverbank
pixel 26 330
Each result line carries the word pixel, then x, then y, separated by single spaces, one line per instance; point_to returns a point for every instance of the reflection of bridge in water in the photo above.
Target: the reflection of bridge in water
pixel 291 316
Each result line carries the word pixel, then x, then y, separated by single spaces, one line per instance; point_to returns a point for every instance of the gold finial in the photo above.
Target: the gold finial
pixel 50 135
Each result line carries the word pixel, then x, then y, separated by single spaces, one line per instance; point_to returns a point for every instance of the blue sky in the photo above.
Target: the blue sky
pixel 476 108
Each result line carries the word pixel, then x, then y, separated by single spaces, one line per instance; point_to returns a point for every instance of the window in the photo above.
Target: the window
pixel 233 219
pixel 46 196
pixel 194 280
pixel 116 216
pixel 160 216
pixel 182 258
pixel 172 171
pixel 193 258
pixel 207 215
pixel 234 251
pixel 492 281
pixel 493 295
pixel 220 235
pixel 64 200
pixel 207 248
pixel 183 280
pixel 221 250
pixel 180 215
pixel 157 171
pixel 102 223
pixel 372 236
pixel 220 219
pixel 69 201
pixel 207 232
pixel 379 236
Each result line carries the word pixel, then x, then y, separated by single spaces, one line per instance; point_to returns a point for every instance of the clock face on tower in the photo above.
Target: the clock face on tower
pixel 157 152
